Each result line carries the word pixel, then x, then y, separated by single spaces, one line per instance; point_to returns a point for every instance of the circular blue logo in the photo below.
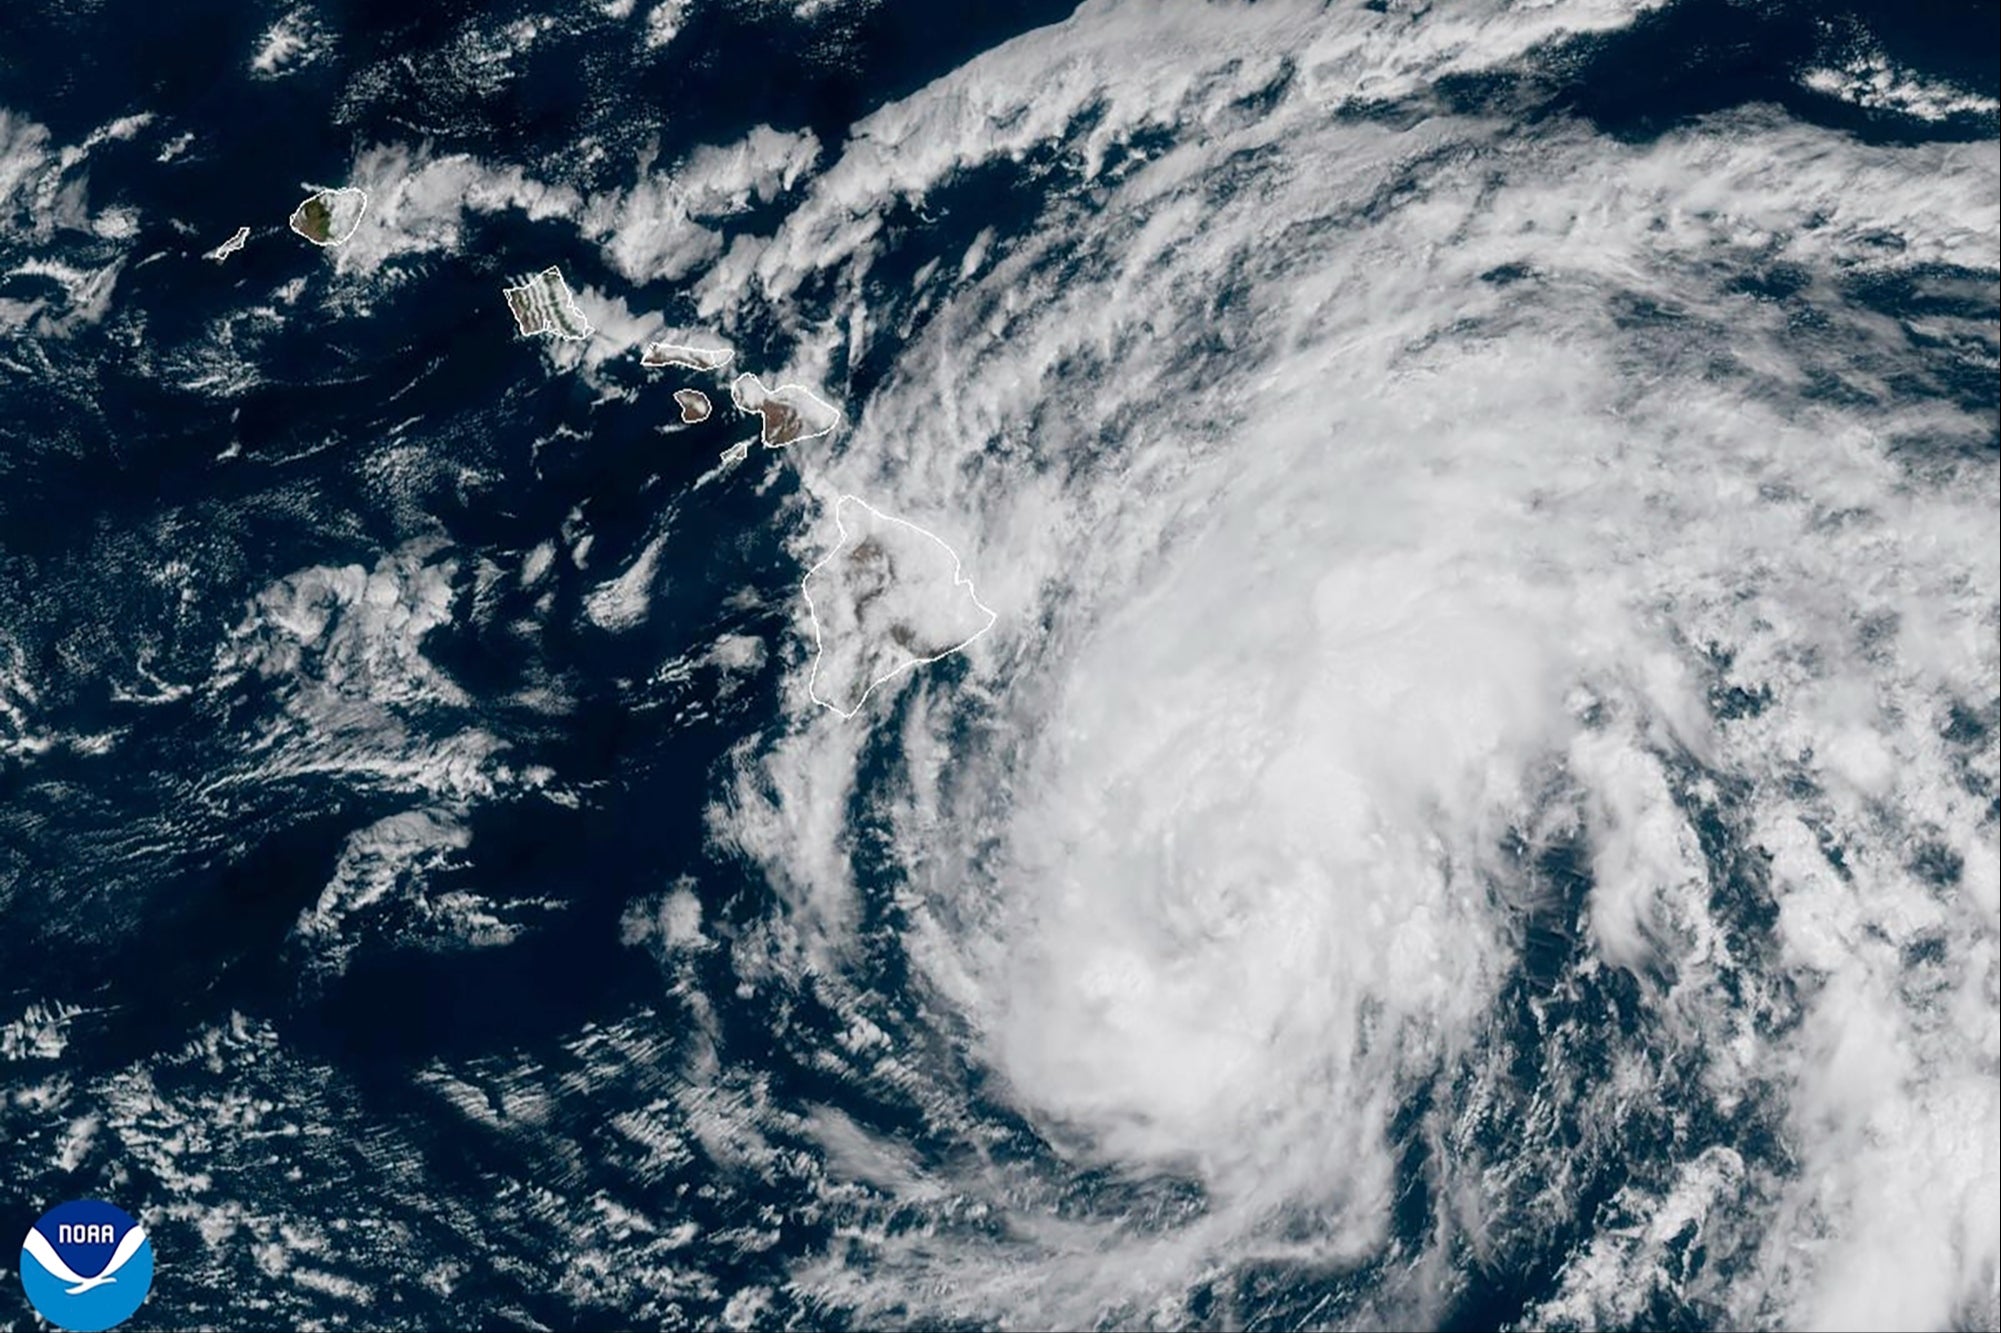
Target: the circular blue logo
pixel 86 1266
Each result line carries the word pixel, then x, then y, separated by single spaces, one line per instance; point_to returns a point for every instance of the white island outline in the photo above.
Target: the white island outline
pixel 341 208
pixel 543 303
pixel 657 353
pixel 959 580
pixel 230 246
pixel 789 413
pixel 694 405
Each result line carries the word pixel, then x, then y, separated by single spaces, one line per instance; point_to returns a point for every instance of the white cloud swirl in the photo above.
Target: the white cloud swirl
pixel 1372 505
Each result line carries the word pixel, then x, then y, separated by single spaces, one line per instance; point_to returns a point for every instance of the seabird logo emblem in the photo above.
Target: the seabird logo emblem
pixel 86 1266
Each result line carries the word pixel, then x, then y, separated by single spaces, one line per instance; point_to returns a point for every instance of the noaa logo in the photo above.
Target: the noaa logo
pixel 86 1266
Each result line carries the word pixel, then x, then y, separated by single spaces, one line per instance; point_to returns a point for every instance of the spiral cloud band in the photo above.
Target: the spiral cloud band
pixel 1491 671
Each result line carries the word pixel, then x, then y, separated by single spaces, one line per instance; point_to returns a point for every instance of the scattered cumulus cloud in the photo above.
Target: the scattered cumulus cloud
pixel 295 41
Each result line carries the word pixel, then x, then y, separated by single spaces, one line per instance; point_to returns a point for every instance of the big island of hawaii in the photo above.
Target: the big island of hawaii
pixel 889 598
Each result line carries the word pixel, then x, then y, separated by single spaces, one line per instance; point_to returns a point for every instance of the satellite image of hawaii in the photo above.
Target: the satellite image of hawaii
pixel 1001 664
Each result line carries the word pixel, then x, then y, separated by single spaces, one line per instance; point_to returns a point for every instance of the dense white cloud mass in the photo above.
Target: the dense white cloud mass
pixel 657 229
pixel 1387 516
pixel 296 40
pixel 1869 79
pixel 343 649
pixel 60 258
pixel 418 201
pixel 23 147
